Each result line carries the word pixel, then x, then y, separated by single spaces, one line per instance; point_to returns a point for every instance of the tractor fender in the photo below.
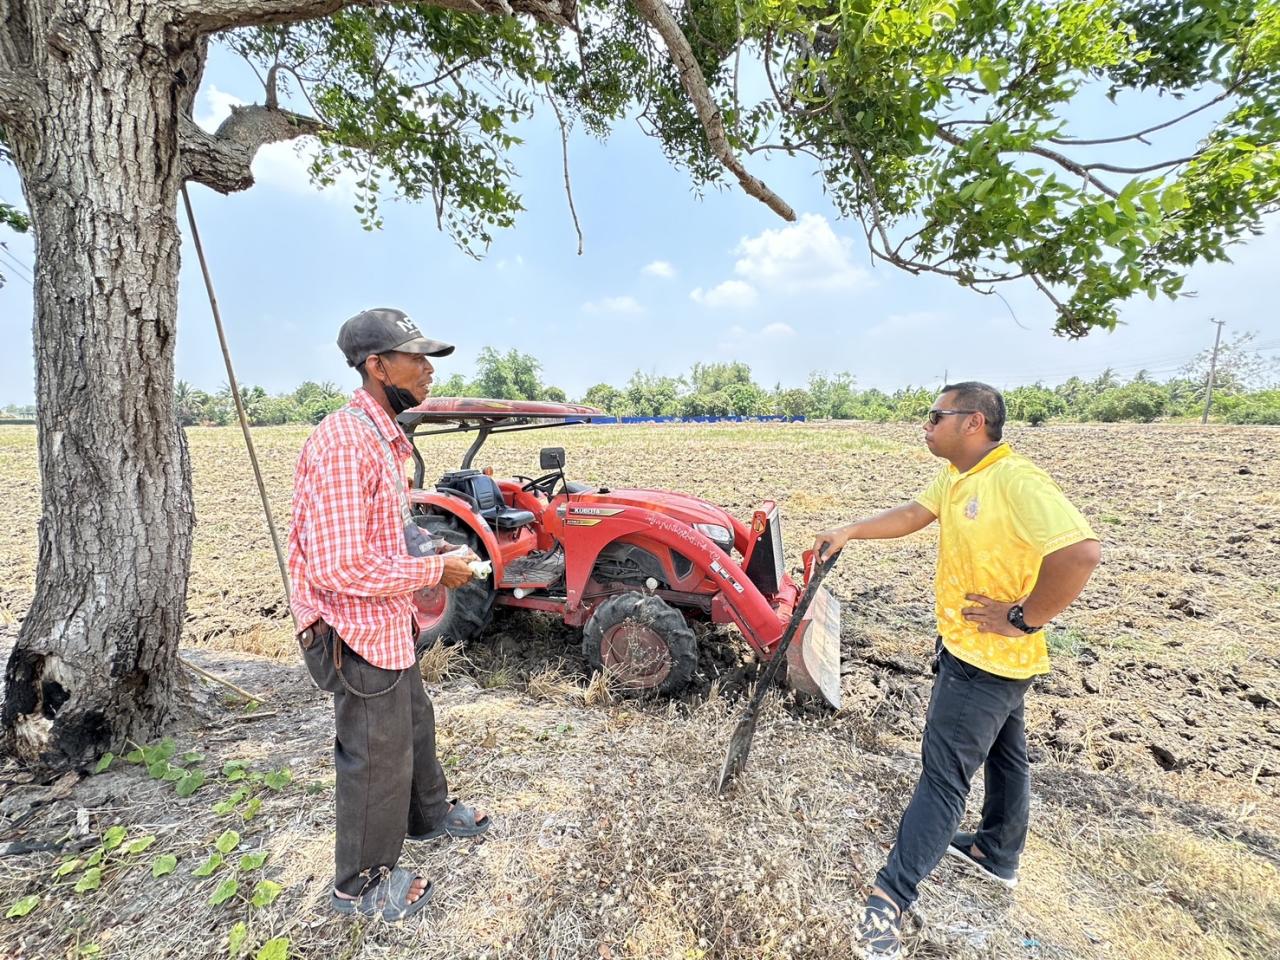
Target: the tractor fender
pixel 442 503
pixel 748 608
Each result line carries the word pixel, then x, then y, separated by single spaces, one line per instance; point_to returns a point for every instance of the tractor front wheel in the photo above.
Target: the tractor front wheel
pixel 643 642
pixel 453 616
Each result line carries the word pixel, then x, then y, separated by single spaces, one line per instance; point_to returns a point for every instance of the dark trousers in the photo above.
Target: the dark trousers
pixel 975 719
pixel 389 780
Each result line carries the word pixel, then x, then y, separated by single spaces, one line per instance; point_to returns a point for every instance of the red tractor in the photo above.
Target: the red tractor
pixel 632 567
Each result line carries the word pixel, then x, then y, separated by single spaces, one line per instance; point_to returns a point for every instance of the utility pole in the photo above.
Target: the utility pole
pixel 1213 365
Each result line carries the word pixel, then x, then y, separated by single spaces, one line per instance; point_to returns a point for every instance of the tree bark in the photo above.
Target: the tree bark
pixel 95 661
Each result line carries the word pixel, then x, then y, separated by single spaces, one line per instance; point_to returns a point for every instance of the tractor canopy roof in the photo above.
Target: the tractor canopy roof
pixel 472 412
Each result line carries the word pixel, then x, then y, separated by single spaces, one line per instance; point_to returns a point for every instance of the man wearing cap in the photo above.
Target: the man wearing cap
pixel 353 581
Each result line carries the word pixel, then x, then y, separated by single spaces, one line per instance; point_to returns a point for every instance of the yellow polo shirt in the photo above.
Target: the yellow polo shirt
pixel 998 521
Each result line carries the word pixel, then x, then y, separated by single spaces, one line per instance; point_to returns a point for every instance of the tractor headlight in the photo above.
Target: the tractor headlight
pixel 722 537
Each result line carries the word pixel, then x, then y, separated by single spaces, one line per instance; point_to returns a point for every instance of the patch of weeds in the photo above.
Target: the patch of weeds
pixel 246 800
pixel 162 763
pixel 501 676
pixel 559 730
pixel 86 874
pixel 1065 642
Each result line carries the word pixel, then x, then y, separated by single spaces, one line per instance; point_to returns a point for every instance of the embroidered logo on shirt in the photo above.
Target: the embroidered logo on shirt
pixel 971 508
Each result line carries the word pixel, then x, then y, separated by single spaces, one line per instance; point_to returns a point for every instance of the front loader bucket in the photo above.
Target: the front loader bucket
pixel 813 660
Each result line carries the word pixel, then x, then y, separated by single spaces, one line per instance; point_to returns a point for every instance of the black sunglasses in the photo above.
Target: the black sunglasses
pixel 933 416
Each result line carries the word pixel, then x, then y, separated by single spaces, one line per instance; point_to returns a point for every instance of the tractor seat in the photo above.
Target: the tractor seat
pixel 488 495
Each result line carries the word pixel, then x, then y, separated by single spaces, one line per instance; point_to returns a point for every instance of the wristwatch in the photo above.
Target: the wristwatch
pixel 1015 618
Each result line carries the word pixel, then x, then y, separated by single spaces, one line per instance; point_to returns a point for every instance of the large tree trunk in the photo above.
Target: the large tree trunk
pixel 96 658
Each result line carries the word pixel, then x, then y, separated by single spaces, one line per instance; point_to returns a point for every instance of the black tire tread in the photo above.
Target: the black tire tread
pixel 470 606
pixel 665 619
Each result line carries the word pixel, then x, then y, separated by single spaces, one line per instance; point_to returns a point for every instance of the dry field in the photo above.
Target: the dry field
pixel 1156 741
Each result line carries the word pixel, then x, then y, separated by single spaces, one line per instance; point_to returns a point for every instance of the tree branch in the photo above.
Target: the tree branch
pixel 564 152
pixel 659 16
pixel 1072 142
pixel 212 16
pixel 223 160
pixel 1063 161
pixel 1112 168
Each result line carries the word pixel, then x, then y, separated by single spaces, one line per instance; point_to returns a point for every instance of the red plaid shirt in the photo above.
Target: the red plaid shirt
pixel 347 558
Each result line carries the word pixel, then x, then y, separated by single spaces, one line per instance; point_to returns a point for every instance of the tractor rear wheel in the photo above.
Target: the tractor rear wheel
pixel 453 616
pixel 643 642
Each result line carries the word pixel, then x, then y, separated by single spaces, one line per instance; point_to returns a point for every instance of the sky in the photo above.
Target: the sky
pixel 668 278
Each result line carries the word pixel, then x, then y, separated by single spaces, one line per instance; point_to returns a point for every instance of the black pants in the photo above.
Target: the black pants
pixel 389 780
pixel 974 718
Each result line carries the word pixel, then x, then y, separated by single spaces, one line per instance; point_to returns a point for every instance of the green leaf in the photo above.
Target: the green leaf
pixel 232 766
pixel 265 893
pixel 226 890
pixel 91 879
pixel 274 949
pixel 252 861
pixel 71 866
pixel 113 837
pixel 164 864
pixel 1174 199
pixel 22 907
pixel 139 845
pixel 190 783
pixel 205 869
pixel 227 842
pixel 230 803
pixel 134 756
pixel 989 74
pixel 192 756
pixel 236 938
pixel 159 769
pixel 279 780
pixel 102 765
pixel 95 858
pixel 251 809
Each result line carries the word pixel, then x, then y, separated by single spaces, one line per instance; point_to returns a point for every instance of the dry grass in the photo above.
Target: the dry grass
pixel 1156 742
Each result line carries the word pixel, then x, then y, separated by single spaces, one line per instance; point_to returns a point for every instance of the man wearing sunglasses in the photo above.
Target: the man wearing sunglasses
pixel 354 564
pixel 1013 553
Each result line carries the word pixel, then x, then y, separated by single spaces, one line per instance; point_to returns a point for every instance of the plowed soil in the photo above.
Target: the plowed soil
pixel 1155 741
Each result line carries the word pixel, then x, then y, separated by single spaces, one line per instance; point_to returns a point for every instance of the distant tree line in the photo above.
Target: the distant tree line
pixel 1246 390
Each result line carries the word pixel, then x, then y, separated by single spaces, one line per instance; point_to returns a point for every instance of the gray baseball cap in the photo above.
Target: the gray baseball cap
pixel 382 330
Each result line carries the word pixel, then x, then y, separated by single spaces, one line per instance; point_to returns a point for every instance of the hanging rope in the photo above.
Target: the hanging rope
pixel 235 395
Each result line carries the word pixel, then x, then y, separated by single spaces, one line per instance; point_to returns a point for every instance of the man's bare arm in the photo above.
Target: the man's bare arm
pixel 1063 575
pixel 898 522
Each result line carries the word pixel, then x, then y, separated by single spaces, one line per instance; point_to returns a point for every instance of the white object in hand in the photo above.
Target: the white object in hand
pixel 481 569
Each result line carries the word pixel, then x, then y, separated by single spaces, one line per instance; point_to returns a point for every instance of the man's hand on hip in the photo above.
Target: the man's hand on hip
pixel 990 616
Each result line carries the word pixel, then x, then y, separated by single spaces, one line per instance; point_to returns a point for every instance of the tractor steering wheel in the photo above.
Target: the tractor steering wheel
pixel 548 479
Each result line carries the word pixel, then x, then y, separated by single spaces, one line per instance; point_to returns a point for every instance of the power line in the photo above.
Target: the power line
pixel 23 271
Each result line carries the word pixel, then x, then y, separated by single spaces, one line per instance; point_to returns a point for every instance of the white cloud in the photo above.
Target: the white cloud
pixel 284 166
pixel 917 323
pixel 660 268
pixel 807 255
pixel 731 293
pixel 738 341
pixel 613 305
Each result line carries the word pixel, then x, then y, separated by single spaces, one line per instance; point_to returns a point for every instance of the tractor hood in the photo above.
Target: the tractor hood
pixel 678 506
